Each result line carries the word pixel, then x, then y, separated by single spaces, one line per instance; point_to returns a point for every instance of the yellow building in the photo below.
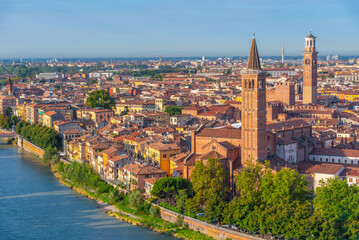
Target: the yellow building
pixel 159 153
pixel 20 111
pixel 348 95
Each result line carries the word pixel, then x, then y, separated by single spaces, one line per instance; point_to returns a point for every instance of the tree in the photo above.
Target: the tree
pixel 173 110
pixel 155 211
pixel 167 186
pixel 336 210
pixel 135 199
pixel 277 203
pixel 100 98
pixel 49 154
pixel 228 71
pixel 8 111
pixel 181 199
pixel 125 111
pixel 210 183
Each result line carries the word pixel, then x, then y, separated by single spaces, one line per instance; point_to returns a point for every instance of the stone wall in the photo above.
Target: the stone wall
pixel 22 143
pixel 214 231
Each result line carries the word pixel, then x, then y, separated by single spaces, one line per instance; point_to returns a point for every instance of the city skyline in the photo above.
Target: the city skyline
pixel 171 29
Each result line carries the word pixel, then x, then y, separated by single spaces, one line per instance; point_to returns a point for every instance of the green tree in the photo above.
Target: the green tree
pixel 165 187
pixel 100 98
pixel 135 199
pixel 181 199
pixel 125 111
pixel 210 183
pixel 49 154
pixel 8 111
pixel 173 110
pixel 336 210
pixel 155 211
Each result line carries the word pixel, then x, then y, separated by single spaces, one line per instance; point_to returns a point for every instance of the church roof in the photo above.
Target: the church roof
pixel 253 58
pixel 310 35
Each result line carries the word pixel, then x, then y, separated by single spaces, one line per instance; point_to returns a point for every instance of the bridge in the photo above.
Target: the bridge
pixel 7 134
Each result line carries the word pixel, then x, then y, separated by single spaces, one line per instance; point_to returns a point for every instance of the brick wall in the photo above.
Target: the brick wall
pixel 206 228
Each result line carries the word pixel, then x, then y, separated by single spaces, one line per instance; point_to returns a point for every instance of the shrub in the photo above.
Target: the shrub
pixel 135 199
pixel 168 206
pixel 155 211
pixel 144 208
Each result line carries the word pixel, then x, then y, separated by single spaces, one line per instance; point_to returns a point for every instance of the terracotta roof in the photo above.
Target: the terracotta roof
pixel 164 146
pixel 212 154
pixel 227 132
pixel 335 152
pixel 118 158
pixel 137 168
pixel 298 123
pixel 325 169
pixel 72 131
pixel 350 171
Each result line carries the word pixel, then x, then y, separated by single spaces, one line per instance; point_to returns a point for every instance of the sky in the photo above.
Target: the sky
pixel 174 28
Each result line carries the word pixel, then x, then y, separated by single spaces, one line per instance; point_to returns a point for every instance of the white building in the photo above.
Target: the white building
pixel 286 149
pixel 48 76
pixel 341 156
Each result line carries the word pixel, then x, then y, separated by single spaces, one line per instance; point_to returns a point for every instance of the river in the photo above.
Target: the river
pixel 34 205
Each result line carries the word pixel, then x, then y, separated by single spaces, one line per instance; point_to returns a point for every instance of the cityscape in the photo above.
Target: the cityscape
pixel 177 145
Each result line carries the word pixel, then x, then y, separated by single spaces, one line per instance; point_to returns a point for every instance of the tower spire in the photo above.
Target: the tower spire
pixel 253 58
pixel 282 53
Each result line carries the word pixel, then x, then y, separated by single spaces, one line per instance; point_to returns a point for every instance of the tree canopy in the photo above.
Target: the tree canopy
pixel 166 186
pixel 100 98
pixel 173 110
pixel 40 135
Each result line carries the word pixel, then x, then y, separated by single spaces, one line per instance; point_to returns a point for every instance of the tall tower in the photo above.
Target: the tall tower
pixel 310 71
pixel 253 108
pixel 283 53
pixel 9 88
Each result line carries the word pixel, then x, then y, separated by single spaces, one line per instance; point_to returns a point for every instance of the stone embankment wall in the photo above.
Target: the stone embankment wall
pixel 22 143
pixel 206 228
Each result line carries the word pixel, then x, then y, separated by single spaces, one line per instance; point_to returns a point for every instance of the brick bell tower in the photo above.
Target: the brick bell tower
pixel 253 146
pixel 310 71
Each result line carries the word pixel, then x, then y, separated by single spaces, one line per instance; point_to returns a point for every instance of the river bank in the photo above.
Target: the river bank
pixel 35 205
pixel 121 212
pixel 165 221
pixel 127 214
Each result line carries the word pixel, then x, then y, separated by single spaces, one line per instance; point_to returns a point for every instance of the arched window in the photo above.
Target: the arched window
pixel 252 83
pixel 245 83
pixel 307 61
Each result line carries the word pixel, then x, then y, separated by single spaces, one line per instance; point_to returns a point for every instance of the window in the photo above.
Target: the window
pixel 350 179
pixel 164 155
pixel 307 61
pixel 326 159
pixel 321 159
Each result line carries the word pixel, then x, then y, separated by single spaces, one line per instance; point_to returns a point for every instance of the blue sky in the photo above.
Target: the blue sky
pixel 151 28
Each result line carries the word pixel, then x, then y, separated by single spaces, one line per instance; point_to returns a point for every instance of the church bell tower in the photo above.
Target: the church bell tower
pixel 253 145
